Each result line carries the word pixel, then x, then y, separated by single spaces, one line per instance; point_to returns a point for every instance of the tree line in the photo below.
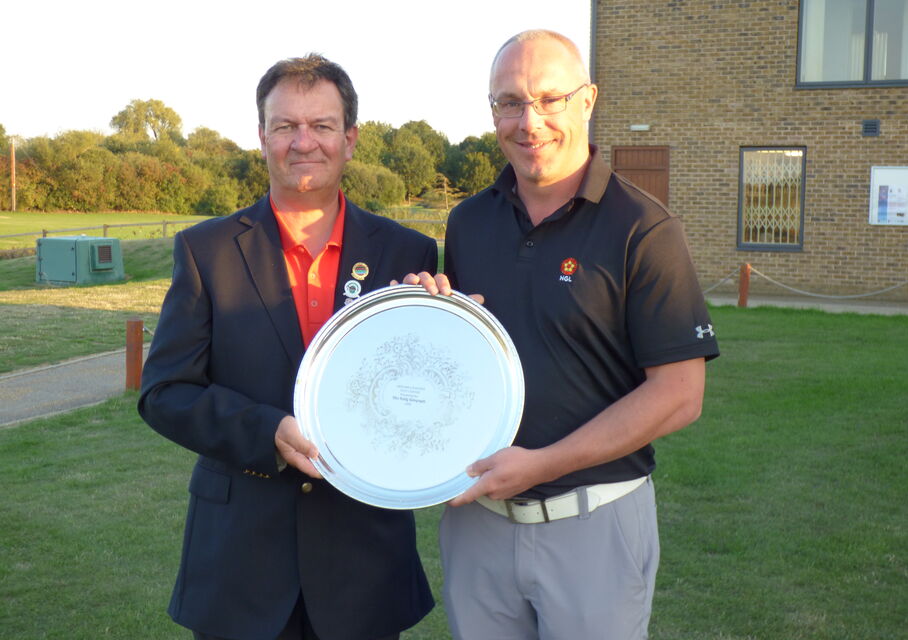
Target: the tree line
pixel 148 165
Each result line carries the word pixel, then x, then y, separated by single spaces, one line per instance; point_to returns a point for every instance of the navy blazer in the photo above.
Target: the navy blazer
pixel 218 379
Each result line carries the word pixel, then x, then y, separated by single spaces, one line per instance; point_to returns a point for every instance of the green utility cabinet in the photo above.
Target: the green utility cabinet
pixel 79 260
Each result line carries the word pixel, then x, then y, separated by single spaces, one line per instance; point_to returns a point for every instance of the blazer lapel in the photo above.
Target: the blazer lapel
pixel 262 251
pixel 359 254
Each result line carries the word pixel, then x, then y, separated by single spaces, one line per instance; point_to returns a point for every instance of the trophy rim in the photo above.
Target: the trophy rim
pixel 317 428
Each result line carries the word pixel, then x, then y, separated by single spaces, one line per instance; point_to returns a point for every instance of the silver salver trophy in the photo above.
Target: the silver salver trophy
pixel 401 390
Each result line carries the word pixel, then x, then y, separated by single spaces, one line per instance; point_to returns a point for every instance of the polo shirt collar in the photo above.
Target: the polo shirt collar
pixel 291 237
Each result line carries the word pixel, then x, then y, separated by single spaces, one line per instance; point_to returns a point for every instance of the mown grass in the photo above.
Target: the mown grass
pixel 425 219
pixel 781 510
pixel 33 222
pixel 427 216
pixel 42 324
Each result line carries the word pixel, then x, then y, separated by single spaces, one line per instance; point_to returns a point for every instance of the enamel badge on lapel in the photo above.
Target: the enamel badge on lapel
pixel 352 289
pixel 360 271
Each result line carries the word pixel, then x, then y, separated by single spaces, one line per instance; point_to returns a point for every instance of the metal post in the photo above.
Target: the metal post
pixel 134 351
pixel 744 285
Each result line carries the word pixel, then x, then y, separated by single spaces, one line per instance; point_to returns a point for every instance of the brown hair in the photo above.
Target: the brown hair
pixel 308 71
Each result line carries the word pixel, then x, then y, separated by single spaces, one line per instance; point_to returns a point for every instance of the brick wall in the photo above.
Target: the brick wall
pixel 710 77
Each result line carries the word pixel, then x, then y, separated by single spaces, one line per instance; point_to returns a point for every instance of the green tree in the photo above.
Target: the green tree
pixel 220 198
pixel 490 146
pixel 87 182
pixel 487 143
pixel 4 141
pixel 136 180
pixel 464 168
pixel 434 142
pixel 205 141
pixel 372 143
pixel 143 117
pixel 71 172
pixel 372 186
pixel 408 158
pixel 248 168
pixel 476 173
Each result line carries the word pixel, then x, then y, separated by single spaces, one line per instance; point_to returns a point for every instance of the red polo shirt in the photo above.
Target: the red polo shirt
pixel 312 280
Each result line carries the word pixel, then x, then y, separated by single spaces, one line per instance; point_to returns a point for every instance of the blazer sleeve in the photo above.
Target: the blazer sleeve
pixel 179 400
pixel 430 258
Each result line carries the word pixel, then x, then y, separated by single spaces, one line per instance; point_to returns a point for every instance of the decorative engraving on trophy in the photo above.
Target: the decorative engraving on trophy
pixel 409 394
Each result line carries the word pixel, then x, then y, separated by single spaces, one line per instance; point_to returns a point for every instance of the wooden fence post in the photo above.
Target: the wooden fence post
pixel 134 351
pixel 744 285
pixel 12 175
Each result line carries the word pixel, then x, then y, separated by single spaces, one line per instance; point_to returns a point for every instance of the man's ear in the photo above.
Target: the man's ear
pixel 589 101
pixel 351 135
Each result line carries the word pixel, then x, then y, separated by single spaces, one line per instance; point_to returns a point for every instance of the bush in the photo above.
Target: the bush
pixel 220 199
pixel 372 186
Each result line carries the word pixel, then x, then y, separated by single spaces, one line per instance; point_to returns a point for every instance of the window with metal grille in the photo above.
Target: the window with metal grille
pixel 771 198
pixel 853 42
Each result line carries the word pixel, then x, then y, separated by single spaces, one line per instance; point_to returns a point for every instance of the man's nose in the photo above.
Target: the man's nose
pixel 303 140
pixel 529 119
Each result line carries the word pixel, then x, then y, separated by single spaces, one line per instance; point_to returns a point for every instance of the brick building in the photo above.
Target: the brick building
pixel 760 122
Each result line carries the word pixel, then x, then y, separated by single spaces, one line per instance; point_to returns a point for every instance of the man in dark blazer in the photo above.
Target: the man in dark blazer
pixel 270 549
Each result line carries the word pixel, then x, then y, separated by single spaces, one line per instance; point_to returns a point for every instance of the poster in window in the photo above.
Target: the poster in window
pixel 889 195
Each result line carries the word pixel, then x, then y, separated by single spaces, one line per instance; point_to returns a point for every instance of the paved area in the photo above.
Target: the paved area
pixel 44 391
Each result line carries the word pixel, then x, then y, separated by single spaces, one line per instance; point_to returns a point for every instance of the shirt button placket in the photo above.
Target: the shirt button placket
pixel 528 250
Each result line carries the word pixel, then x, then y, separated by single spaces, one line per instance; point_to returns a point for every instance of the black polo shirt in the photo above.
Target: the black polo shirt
pixel 597 291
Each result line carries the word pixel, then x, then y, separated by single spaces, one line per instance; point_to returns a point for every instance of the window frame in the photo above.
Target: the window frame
pixel 778 248
pixel 867 81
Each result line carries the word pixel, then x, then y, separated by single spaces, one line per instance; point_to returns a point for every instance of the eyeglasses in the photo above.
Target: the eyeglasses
pixel 545 106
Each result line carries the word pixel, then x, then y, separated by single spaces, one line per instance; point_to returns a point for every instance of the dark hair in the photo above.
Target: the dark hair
pixel 308 71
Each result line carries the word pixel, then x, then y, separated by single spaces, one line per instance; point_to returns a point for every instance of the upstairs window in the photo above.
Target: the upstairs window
pixel 771 198
pixel 853 42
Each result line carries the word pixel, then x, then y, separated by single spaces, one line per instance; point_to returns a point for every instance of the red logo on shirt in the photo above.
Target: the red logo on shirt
pixel 569 267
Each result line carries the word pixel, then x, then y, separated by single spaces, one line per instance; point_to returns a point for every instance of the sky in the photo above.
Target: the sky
pixel 68 65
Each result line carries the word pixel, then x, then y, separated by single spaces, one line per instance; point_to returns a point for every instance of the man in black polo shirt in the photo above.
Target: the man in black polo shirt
pixel 592 279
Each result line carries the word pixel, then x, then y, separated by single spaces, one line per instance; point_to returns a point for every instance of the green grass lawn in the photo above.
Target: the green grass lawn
pixel 782 510
pixel 15 222
pixel 41 324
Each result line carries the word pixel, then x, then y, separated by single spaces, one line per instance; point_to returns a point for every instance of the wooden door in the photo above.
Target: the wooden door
pixel 646 167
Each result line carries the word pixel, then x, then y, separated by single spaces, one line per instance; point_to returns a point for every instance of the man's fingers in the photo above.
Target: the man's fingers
pixel 480 466
pixel 294 448
pixel 433 284
pixel 302 463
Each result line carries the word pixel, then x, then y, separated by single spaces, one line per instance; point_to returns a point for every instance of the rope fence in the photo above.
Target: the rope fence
pixel 744 287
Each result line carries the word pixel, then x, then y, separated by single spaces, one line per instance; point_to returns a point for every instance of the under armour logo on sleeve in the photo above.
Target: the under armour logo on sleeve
pixel 703 332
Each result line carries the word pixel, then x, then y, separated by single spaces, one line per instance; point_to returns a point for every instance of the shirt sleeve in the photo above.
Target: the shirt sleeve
pixel 666 314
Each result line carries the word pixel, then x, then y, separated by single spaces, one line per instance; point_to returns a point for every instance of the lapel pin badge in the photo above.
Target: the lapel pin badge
pixel 360 270
pixel 352 288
